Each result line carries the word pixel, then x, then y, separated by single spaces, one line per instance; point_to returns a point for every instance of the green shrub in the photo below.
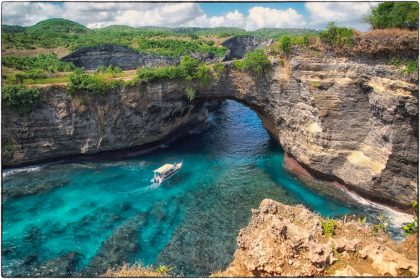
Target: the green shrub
pixel 9 147
pixel 203 74
pixel 108 70
pixel 362 221
pixel 336 36
pixel 411 228
pixel 255 61
pixel 412 66
pixel 315 84
pixel 218 69
pixel 79 81
pixel 188 69
pixel 382 225
pixel 20 98
pixel 190 93
pixel 395 15
pixel 158 73
pixel 328 227
pixel 285 44
pixel 43 62
pixel 405 66
pixel 164 269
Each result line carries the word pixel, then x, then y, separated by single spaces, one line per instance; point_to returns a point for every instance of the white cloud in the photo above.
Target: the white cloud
pixel 260 17
pixel 343 13
pixel 100 14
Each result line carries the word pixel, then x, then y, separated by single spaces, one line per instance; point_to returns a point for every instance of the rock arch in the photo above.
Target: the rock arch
pixel 337 119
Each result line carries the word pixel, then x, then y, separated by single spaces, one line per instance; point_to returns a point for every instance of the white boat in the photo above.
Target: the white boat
pixel 164 172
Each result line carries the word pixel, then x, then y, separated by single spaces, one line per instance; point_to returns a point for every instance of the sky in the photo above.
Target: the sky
pixel 249 15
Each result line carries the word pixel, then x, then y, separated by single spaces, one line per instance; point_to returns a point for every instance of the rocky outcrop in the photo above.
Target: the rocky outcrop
pixel 82 124
pixel 351 122
pixel 239 45
pixel 106 55
pixel 283 240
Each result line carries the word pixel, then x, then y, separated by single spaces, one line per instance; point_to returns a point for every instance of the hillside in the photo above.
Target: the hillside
pixel 58 32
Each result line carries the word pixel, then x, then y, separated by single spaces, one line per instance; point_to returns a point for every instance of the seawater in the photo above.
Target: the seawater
pixel 189 222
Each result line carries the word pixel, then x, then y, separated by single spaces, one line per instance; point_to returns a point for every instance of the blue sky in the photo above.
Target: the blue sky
pixel 249 15
pixel 213 9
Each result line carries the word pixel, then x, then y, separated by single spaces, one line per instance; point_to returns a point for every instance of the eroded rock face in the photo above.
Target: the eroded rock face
pixel 283 240
pixel 82 124
pixel 337 119
pixel 239 45
pixel 92 57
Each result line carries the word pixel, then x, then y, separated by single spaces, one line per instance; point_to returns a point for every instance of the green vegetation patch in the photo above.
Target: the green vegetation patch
pixel 9 147
pixel 79 81
pixel 405 66
pixel 189 70
pixel 255 61
pixel 20 98
pixel 395 15
pixel 328 227
pixel 336 36
pixel 108 70
pixel 43 62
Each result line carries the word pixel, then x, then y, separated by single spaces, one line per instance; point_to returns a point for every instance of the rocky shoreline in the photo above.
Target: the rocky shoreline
pixel 346 121
pixel 283 240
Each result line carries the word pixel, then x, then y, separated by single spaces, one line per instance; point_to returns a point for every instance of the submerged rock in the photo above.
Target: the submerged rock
pixel 122 243
pixel 339 118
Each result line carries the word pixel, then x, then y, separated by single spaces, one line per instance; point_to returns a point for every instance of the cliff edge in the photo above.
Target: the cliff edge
pixel 283 240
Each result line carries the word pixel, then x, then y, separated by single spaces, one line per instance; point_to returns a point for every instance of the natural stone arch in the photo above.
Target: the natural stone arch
pixel 338 119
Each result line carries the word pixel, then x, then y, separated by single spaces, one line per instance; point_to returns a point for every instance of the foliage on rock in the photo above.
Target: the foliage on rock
pixel 20 98
pixel 79 81
pixel 255 61
pixel 336 36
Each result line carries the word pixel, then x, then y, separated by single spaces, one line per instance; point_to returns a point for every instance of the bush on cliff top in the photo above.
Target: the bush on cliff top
pixel 255 61
pixel 79 81
pixel 20 98
pixel 395 15
pixel 189 69
pixel 336 36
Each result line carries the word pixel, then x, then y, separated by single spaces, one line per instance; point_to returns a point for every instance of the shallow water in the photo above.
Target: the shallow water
pixel 190 222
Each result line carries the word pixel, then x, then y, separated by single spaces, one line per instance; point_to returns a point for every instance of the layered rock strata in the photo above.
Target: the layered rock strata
pixel 284 240
pixel 239 45
pixel 339 119
pixel 106 55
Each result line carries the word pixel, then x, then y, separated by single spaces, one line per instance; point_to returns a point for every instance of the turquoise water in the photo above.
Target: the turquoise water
pixel 108 212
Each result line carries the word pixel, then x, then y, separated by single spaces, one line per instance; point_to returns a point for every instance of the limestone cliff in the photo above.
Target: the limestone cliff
pixel 339 118
pixel 239 45
pixel 284 240
pixel 106 55
pixel 82 124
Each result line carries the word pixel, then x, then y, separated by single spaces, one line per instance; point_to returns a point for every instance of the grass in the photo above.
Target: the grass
pixel 406 67
pixel 138 270
pixel 328 227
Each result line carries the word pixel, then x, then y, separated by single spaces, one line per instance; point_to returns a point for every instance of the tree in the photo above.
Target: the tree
pixel 395 15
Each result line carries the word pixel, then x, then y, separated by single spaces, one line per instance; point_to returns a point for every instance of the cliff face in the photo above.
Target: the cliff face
pixel 65 125
pixel 92 57
pixel 338 119
pixel 284 240
pixel 239 45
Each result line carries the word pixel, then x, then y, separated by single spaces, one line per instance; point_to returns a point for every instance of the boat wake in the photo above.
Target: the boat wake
pixel 6 173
